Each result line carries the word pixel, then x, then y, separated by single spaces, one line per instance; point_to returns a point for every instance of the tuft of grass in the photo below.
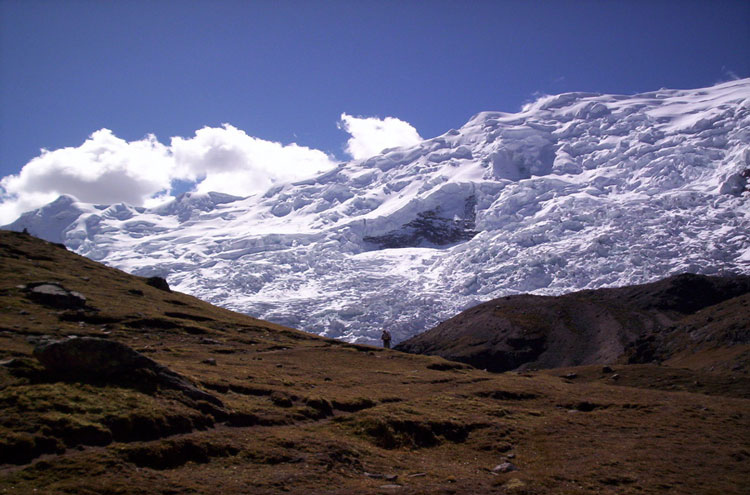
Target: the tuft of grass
pixel 170 454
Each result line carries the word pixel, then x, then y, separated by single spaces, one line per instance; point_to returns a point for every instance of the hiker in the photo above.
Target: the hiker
pixel 386 336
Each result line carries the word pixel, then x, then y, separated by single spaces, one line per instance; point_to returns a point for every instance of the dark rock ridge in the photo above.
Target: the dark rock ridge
pixel 588 327
pixel 431 228
pixel 102 360
pixel 737 183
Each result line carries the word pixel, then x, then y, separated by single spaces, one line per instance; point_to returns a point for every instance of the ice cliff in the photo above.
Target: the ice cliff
pixel 575 191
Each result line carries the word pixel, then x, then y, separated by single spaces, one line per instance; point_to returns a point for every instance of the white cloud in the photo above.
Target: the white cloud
pixel 729 74
pixel 106 169
pixel 371 135
pixel 229 161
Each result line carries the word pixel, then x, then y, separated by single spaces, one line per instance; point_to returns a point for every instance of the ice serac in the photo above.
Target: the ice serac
pixel 186 205
pixel 575 191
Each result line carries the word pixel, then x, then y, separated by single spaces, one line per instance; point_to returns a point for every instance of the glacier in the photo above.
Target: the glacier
pixel 575 191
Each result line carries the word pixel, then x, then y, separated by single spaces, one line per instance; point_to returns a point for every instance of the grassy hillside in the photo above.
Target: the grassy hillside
pixel 282 411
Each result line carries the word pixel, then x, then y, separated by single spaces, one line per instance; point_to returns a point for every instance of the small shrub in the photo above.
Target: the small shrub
pixel 22 448
pixel 320 407
pixel 175 453
pixel 281 399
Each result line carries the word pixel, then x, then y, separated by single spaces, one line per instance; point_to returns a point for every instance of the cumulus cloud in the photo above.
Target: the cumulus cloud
pixel 228 160
pixel 371 135
pixel 106 169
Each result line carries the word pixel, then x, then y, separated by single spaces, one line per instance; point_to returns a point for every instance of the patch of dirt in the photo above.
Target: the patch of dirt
pixel 398 433
pixel 507 395
pixel 187 316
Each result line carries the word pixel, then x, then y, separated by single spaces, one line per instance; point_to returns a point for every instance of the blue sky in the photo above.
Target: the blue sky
pixel 285 71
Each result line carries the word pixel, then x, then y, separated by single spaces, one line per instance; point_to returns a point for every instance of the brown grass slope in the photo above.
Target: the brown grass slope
pixel 681 315
pixel 295 413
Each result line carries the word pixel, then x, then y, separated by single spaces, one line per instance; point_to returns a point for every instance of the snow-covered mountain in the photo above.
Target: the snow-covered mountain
pixel 575 191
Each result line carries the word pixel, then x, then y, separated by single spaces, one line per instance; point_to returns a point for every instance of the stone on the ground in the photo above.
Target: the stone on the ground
pixel 505 467
pixel 514 483
pixel 55 295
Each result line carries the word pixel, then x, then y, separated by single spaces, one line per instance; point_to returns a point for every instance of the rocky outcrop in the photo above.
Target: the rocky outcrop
pixel 431 228
pixel 102 360
pixel 55 295
pixel 159 283
pixel 736 184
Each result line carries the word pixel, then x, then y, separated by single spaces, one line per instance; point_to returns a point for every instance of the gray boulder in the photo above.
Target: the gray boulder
pixel 55 295
pixel 505 467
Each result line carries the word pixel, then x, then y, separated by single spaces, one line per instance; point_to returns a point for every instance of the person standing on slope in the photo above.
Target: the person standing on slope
pixel 386 336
